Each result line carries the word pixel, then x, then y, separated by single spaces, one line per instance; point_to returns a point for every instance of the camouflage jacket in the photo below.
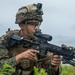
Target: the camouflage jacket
pixel 23 68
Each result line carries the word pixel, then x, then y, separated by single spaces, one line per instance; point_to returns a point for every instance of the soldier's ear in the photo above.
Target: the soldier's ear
pixel 21 26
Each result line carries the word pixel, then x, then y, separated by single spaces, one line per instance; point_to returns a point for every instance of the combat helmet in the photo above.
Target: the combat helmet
pixel 29 12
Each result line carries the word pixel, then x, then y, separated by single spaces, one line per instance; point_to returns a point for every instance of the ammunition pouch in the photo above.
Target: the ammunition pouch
pixel 25 67
pixel 25 64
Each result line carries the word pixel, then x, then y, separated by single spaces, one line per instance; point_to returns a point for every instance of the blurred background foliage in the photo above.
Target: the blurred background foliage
pixel 68 70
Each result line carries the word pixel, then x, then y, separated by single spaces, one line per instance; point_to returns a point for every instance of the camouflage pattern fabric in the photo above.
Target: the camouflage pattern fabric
pixel 5 57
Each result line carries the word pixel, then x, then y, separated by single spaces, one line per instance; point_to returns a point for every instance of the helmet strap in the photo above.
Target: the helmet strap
pixel 31 36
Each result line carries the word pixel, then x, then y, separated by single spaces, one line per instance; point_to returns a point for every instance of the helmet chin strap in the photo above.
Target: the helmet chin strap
pixel 30 36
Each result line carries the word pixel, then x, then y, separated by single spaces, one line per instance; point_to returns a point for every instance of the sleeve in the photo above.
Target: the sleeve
pixel 4 56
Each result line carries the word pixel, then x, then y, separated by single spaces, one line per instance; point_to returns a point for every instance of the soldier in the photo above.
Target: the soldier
pixel 22 57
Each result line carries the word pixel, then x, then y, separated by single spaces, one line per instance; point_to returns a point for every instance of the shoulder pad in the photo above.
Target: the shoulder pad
pixel 4 37
pixel 10 32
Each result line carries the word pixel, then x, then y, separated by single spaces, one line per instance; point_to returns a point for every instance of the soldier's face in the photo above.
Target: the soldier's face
pixel 31 26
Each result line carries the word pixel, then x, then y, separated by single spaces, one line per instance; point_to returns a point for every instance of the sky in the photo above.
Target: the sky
pixel 58 18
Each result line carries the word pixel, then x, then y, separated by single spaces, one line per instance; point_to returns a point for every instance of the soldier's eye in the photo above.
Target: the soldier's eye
pixel 34 23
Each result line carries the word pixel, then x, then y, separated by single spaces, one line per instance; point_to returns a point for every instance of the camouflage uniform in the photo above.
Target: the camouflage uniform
pixel 9 54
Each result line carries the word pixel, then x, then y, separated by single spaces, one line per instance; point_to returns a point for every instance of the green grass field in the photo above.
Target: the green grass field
pixel 68 70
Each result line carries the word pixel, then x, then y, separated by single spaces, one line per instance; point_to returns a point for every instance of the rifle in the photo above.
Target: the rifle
pixel 41 43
